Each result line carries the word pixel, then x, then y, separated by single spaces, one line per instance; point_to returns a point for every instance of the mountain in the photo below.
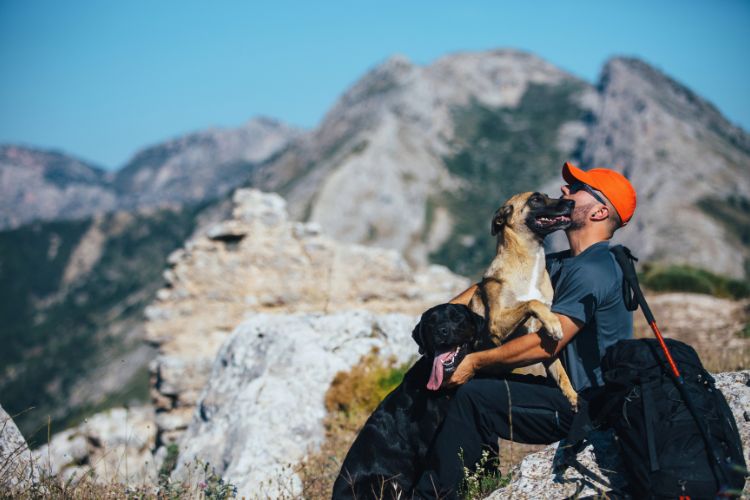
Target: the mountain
pixel 689 165
pixel 36 184
pixel 417 158
pixel 50 185
pixel 200 166
pixel 71 307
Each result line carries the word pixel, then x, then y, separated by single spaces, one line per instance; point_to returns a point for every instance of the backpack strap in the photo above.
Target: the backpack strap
pixel 647 398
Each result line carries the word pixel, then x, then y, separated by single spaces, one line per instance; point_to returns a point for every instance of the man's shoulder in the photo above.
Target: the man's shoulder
pixel 595 264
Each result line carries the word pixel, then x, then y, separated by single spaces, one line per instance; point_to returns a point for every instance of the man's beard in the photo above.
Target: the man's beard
pixel 579 217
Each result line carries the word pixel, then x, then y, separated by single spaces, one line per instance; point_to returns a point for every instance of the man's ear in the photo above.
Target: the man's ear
pixel 602 213
pixel 416 334
pixel 502 216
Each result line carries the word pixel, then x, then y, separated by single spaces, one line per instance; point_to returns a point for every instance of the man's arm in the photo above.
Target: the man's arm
pixel 522 351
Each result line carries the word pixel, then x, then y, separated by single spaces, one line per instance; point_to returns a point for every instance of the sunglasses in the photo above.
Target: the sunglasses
pixel 578 186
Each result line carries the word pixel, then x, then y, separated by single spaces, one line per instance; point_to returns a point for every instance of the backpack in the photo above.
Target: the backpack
pixel 675 431
pixel 661 445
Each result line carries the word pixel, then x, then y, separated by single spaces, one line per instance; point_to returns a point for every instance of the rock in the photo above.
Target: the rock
pixel 596 469
pixel 260 261
pixel 263 406
pixel 115 445
pixel 18 471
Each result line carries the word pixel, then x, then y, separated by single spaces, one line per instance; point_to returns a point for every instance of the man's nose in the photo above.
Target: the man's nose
pixel 564 189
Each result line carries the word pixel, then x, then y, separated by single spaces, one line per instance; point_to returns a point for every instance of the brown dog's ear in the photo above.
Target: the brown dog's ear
pixel 502 216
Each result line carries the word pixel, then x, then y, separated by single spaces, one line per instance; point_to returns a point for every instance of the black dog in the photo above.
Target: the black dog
pixel 390 450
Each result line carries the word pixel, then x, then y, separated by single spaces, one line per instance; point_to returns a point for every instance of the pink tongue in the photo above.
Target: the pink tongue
pixel 436 377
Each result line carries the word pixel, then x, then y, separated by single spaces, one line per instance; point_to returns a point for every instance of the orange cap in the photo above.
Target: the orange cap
pixel 611 184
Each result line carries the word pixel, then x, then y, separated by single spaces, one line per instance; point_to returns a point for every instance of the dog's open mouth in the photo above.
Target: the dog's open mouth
pixel 549 221
pixel 444 364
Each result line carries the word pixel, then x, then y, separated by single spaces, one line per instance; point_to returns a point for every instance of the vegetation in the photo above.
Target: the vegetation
pixel 682 278
pixel 484 478
pixel 202 483
pixel 500 152
pixel 352 397
pixel 54 334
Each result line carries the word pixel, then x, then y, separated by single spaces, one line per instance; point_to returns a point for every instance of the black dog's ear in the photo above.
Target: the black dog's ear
pixel 416 334
pixel 502 216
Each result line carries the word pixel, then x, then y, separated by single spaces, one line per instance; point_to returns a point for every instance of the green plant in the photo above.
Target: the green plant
pixel 170 462
pixel 683 278
pixel 214 486
pixel 484 478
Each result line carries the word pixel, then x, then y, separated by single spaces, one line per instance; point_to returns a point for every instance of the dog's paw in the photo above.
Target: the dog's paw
pixel 553 327
pixel 573 400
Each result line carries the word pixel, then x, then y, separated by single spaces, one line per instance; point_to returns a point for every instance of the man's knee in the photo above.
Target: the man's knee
pixel 483 394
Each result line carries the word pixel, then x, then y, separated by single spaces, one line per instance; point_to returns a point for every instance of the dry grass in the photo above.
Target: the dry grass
pixel 352 397
pixel 202 482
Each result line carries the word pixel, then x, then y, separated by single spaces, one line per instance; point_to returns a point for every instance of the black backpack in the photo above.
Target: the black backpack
pixel 662 448
pixel 677 435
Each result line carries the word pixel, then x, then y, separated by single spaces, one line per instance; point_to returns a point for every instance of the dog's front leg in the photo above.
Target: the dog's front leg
pixel 550 322
pixel 556 370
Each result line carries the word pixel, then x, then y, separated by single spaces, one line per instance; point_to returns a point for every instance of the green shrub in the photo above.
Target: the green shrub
pixel 682 278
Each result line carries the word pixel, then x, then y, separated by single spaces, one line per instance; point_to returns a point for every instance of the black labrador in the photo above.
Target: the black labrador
pixel 389 453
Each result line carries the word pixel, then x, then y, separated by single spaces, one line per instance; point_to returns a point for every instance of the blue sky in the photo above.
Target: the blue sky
pixel 100 79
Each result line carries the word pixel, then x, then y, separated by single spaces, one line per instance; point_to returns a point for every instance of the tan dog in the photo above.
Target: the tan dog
pixel 515 294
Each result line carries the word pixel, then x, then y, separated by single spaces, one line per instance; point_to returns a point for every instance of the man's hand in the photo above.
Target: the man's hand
pixel 521 351
pixel 465 371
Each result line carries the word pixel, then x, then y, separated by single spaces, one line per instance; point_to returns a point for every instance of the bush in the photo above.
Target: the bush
pixel 682 278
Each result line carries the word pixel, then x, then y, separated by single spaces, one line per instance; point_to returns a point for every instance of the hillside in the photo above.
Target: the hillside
pixel 71 307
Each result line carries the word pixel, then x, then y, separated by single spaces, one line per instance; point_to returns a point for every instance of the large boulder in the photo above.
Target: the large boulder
pixel 18 471
pixel 263 406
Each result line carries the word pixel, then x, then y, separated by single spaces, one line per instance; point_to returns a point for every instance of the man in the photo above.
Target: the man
pixel 588 300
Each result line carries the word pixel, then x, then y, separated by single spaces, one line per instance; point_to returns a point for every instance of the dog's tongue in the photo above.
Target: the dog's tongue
pixel 436 377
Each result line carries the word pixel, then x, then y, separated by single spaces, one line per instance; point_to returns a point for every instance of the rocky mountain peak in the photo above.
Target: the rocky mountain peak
pixel 629 75
pixel 44 184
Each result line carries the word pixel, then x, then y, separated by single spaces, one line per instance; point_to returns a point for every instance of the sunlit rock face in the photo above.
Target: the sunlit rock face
pixel 260 261
pixel 263 406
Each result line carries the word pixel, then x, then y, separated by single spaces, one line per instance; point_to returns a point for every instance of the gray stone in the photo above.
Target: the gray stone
pixel 18 470
pixel 263 406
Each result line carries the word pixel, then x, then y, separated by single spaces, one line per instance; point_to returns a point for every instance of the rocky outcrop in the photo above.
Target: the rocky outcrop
pixel 260 261
pixel 115 445
pixel 556 473
pixel 263 406
pixel 18 471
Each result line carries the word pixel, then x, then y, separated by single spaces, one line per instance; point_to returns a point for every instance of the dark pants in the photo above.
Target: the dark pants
pixel 479 415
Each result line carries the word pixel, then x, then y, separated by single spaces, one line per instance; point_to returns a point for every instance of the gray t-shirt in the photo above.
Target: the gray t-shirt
pixel 588 288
